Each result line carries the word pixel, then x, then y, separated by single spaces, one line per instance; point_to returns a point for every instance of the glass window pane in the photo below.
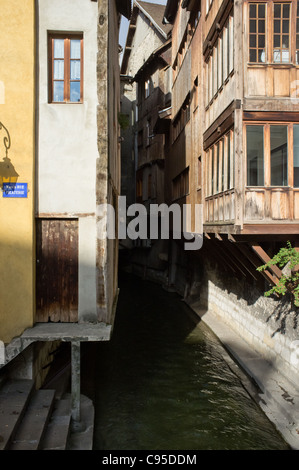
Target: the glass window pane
pixel 74 92
pixel 276 55
pixel 222 167
pixel 296 156
pixel 261 41
pixel 212 176
pixel 261 55
pixel 277 10
pixel 228 161
pixel 58 48
pixel 285 26
pixel 276 26
pixel 58 91
pixel 217 168
pixel 252 40
pixel 276 40
pixel 75 69
pixel 255 155
pixel 285 42
pixel 252 10
pixel 279 155
pixel 252 55
pixel 286 10
pixel 261 26
pixel 75 49
pixel 262 11
pixel 58 69
pixel 285 56
pixel 252 26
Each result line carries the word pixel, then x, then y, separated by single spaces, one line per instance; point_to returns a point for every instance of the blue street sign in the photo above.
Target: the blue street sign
pixel 15 189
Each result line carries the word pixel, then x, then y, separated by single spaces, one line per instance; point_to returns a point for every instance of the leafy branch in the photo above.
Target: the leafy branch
pixel 287 258
pixel 123 121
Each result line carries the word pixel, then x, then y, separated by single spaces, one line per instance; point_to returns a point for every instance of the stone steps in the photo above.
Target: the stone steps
pixel 14 398
pixel 32 420
pixel 58 430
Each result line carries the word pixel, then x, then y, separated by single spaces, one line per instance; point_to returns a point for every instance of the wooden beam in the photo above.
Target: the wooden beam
pixel 270 229
pixel 219 257
pixel 244 262
pixel 250 255
pixel 217 235
pixel 265 258
pixel 231 238
pixel 227 259
pixel 286 116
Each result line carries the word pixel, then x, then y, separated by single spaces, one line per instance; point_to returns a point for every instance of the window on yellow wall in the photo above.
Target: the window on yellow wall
pixel 65 68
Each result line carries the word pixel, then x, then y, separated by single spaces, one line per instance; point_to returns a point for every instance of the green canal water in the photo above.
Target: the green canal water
pixel 162 383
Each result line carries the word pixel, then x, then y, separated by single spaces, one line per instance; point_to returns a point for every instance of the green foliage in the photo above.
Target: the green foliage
pixel 123 121
pixel 289 282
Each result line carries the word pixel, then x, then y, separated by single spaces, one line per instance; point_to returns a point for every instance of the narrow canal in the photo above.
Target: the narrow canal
pixel 162 383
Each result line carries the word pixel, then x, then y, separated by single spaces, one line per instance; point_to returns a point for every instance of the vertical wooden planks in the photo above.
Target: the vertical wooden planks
pixel 57 270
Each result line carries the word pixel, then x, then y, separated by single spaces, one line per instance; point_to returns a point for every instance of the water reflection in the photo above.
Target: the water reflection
pixel 162 383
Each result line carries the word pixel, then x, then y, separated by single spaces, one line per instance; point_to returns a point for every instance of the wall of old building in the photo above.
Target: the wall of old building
pixel 67 141
pixel 17 87
pixel 114 164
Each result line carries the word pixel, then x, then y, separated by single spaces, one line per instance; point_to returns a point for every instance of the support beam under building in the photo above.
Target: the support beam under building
pixel 76 381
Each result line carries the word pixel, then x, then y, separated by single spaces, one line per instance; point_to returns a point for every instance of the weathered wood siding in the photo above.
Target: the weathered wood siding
pixel 57 270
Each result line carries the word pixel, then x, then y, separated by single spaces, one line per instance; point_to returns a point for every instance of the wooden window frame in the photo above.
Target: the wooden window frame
pixel 267 152
pixel 297 34
pixel 257 33
pixel 219 165
pixel 269 37
pixel 67 37
pixel 181 185
pixel 281 33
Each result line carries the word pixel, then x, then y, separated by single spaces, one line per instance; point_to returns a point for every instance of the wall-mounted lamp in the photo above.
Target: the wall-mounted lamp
pixel 8 173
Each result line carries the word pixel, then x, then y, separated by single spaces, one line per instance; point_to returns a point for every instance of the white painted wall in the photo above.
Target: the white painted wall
pixel 67 147
pixel 145 41
pixel 67 141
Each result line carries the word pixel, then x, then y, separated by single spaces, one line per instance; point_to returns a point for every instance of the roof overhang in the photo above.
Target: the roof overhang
pixel 124 7
pixel 158 53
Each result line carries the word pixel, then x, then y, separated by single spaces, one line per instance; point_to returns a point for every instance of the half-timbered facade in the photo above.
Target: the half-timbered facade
pixel 251 111
pixel 247 160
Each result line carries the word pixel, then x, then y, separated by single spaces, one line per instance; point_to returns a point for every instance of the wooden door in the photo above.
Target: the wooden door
pixel 57 270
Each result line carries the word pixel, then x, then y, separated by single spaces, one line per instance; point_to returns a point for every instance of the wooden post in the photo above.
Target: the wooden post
pixel 76 381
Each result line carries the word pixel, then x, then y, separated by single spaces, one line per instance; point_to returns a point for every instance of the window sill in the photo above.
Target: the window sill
pixel 257 65
pixel 66 102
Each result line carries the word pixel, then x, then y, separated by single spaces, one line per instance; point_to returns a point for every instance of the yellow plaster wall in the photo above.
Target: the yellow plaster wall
pixel 17 253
